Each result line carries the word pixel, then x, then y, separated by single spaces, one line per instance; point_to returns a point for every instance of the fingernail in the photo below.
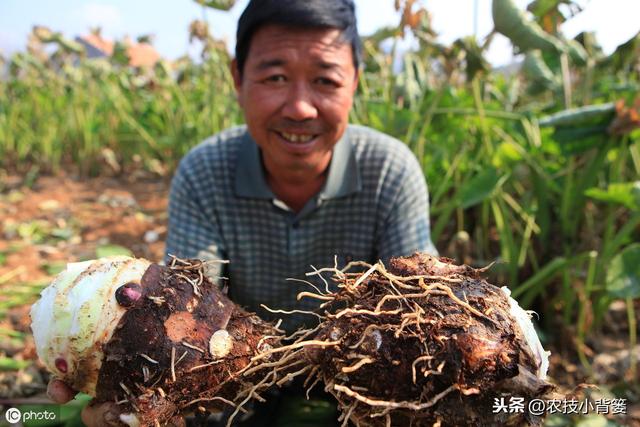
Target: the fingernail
pixel 110 418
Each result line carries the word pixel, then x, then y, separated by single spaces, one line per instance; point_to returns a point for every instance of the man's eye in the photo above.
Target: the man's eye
pixel 326 81
pixel 277 78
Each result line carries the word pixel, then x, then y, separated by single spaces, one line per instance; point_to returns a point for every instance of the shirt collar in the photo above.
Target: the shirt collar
pixel 343 177
pixel 250 179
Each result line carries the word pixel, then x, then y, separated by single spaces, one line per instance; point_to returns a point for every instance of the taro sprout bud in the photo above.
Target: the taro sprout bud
pixel 220 344
pixel 128 294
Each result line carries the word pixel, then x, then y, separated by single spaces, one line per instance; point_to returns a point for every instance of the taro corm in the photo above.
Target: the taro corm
pixel 420 341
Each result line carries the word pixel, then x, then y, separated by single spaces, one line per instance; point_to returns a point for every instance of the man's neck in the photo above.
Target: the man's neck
pixel 296 191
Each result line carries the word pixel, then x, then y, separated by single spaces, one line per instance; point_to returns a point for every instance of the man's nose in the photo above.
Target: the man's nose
pixel 299 104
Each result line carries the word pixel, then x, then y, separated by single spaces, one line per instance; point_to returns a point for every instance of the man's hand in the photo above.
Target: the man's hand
pixel 94 414
pixel 59 391
pixel 98 414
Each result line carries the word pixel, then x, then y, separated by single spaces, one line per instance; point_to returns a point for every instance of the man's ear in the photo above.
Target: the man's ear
pixel 237 79
pixel 357 80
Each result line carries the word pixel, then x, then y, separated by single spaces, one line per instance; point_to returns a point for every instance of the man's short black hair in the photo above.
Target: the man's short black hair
pixel 339 14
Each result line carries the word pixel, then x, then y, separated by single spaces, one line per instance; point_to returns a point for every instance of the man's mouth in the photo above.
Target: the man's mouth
pixel 297 138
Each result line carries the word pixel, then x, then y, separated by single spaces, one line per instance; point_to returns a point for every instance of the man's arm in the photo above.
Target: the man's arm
pixel 405 228
pixel 193 227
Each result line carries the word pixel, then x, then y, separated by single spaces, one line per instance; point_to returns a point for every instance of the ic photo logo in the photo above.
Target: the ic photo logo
pixel 13 415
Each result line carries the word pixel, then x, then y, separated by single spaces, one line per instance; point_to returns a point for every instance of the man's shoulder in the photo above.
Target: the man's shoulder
pixel 211 163
pixel 220 147
pixel 373 146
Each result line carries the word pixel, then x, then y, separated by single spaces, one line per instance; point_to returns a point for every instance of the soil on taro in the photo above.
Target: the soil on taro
pixel 48 221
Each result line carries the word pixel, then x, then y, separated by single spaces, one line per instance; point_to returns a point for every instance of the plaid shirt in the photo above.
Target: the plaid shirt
pixel 374 205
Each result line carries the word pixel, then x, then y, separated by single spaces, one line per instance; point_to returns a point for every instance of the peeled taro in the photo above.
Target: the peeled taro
pixel 78 313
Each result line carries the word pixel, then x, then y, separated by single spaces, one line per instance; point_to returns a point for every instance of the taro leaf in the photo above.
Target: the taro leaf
pixel 577 52
pixel 589 115
pixel 217 4
pixel 538 72
pixel 112 250
pixel 524 33
pixel 578 140
pixel 627 194
pixel 547 14
pixel 540 8
pixel 623 274
pixel 480 187
pixel 588 40
pixel 625 55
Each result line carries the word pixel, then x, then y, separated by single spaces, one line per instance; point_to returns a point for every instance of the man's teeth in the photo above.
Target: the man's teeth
pixel 297 138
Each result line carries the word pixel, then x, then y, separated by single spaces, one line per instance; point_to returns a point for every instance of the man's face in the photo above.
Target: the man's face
pixel 296 92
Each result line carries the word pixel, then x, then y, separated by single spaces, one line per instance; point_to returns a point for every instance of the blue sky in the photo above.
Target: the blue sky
pixel 614 21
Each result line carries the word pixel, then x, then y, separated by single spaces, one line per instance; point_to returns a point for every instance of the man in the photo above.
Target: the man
pixel 297 186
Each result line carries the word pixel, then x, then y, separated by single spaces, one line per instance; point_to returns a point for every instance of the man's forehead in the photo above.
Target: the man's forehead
pixel 274 45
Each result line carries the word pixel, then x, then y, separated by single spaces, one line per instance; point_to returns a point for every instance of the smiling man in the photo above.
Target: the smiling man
pixel 297 186
pixel 296 89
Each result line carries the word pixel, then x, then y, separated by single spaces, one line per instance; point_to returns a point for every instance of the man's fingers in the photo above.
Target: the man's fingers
pixel 59 391
pixel 101 415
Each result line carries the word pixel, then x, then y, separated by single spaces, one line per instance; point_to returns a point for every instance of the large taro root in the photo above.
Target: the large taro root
pixel 159 341
pixel 419 342
pixel 424 342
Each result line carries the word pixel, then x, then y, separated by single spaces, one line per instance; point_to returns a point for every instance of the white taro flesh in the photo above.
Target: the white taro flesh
pixel 531 337
pixel 78 313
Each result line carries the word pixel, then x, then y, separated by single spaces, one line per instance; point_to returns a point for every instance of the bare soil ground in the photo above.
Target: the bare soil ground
pixel 53 220
pixel 61 219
